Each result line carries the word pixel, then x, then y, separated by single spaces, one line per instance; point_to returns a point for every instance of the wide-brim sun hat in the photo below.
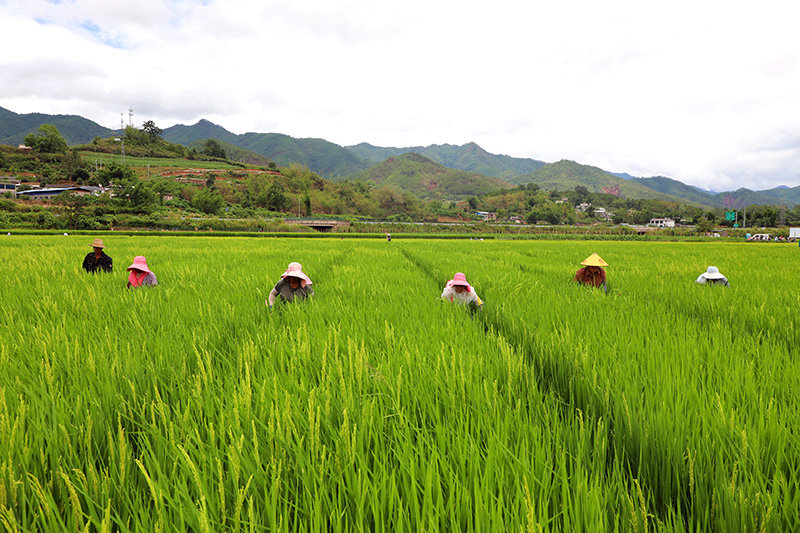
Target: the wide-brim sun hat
pixel 594 260
pixel 295 270
pixel 139 263
pixel 98 243
pixel 459 280
pixel 713 273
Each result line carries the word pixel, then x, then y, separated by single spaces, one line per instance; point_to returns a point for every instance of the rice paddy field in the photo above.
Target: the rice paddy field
pixel 660 406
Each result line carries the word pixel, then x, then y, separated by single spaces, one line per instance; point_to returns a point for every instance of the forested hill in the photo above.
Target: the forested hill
pixel 75 130
pixel 424 178
pixel 327 159
pixel 332 161
pixel 566 175
pixel 730 199
pixel 469 157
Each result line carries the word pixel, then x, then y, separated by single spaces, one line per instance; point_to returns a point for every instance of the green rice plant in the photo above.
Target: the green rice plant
pixel 191 406
pixel 697 384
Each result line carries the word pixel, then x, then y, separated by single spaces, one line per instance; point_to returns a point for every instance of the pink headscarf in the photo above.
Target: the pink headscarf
pixel 295 270
pixel 459 279
pixel 138 270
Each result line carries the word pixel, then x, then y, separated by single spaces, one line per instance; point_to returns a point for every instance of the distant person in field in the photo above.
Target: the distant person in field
pixel 457 290
pixel 712 276
pixel 140 274
pixel 389 237
pixel 97 260
pixel 293 285
pixel 592 273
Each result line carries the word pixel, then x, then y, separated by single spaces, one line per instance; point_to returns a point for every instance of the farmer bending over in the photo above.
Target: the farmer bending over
pixel 292 285
pixel 592 273
pixel 140 274
pixel 457 290
pixel 97 260
pixel 712 276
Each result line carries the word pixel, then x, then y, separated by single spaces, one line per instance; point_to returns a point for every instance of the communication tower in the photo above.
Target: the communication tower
pixel 130 117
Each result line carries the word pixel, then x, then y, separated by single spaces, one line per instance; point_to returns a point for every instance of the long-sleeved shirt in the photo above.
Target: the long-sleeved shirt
pixel 284 291
pixel 91 263
pixel 464 298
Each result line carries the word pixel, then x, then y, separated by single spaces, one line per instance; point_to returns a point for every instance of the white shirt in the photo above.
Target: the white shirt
pixel 465 298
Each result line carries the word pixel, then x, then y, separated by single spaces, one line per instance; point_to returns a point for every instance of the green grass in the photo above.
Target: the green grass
pixel 156 161
pixel 662 406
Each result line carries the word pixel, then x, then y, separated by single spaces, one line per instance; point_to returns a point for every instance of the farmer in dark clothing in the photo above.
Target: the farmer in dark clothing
pixel 592 273
pixel 294 284
pixel 97 260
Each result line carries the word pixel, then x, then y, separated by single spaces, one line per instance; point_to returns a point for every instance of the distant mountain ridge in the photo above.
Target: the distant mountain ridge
pixel 566 175
pixel 325 158
pixel 75 130
pixel 335 162
pixel 425 178
pixel 469 157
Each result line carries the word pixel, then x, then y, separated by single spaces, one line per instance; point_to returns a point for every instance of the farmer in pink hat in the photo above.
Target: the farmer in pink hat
pixel 140 273
pixel 459 291
pixel 294 284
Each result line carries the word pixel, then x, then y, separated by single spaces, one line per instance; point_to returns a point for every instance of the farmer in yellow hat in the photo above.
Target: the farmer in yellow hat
pixel 592 272
pixel 97 260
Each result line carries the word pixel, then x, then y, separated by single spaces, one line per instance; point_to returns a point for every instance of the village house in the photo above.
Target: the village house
pixel 486 215
pixel 662 222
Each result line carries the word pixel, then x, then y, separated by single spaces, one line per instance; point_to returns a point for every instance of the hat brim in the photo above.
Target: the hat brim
pixel 600 263
pixel 139 267
pixel 298 275
pixel 713 275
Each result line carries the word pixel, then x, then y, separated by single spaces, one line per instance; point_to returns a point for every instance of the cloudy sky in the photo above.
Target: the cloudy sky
pixel 704 92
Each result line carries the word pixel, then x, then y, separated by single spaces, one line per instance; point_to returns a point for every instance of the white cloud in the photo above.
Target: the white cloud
pixel 701 92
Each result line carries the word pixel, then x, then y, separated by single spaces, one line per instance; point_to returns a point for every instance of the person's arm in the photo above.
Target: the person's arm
pixel 272 295
pixel 309 290
pixel 478 301
pixel 86 266
pixel 110 265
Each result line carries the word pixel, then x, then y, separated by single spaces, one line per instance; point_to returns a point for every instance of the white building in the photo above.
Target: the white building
pixel 662 222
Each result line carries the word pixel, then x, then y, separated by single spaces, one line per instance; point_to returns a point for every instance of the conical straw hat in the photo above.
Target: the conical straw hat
pixel 594 260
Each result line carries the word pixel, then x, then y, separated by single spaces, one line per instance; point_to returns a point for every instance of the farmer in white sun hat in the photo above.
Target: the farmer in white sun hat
pixel 712 276
pixel 294 284
pixel 457 290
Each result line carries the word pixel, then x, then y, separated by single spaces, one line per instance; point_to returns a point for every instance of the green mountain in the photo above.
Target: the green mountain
pixel 469 157
pixel 333 161
pixel 731 199
pixel 566 175
pixel 327 159
pixel 425 178
pixel 234 153
pixel 676 188
pixel 76 130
